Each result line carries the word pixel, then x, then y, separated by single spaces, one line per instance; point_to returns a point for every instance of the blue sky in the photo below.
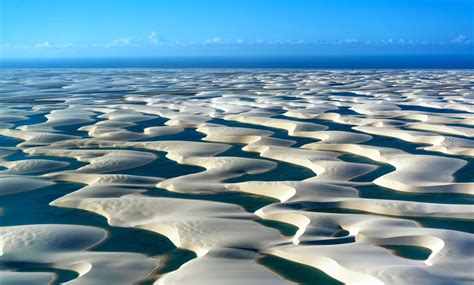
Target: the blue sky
pixel 142 28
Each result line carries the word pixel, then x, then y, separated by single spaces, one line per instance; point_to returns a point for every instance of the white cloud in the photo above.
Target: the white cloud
pixel 153 38
pixel 216 40
pixel 460 39
pixel 123 42
pixel 44 45
pixel 48 44
pixel 219 40
pixel 351 41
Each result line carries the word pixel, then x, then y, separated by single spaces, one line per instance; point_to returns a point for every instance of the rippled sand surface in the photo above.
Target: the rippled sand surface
pixel 236 177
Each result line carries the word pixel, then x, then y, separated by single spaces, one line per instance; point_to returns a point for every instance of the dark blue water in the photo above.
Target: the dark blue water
pixel 343 62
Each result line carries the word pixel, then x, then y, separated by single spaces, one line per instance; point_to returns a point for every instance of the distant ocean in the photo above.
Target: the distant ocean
pixel 316 62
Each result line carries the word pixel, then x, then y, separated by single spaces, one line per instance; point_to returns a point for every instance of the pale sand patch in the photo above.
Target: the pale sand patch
pixel 14 184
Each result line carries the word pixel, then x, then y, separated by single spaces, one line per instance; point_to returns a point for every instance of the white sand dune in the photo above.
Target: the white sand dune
pixel 14 184
pixel 435 176
pixel 229 266
pixel 29 166
pixel 65 247
pixel 99 161
pixel 35 138
pixel 446 248
pixel 208 160
pixel 26 278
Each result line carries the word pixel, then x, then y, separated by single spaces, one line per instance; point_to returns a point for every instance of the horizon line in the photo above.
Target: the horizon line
pixel 423 61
